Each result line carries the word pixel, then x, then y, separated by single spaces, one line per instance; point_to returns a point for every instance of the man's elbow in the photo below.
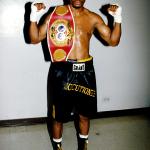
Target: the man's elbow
pixel 34 41
pixel 114 43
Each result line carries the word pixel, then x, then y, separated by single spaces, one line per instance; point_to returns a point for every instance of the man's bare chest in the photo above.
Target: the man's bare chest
pixel 83 26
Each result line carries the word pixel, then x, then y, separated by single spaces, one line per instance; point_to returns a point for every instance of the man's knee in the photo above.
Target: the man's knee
pixel 58 124
pixel 83 118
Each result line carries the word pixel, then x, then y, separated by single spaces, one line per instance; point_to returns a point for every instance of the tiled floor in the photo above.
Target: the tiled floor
pixel 117 133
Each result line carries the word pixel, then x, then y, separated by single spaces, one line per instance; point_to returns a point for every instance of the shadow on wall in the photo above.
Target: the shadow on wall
pixel 66 2
pixel 27 22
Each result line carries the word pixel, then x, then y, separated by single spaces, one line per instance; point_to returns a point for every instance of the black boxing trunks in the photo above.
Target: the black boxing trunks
pixel 72 89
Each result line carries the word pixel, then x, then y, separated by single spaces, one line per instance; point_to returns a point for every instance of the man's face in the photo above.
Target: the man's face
pixel 77 3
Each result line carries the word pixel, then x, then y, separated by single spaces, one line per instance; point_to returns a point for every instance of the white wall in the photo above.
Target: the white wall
pixel 123 72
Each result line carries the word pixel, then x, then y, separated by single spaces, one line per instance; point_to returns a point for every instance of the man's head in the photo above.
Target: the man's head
pixel 77 3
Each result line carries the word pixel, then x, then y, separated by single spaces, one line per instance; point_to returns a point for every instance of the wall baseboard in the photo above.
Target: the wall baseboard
pixel 22 122
pixel 126 112
pixel 106 114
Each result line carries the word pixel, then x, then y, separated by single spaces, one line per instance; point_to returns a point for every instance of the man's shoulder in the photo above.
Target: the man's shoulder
pixel 92 14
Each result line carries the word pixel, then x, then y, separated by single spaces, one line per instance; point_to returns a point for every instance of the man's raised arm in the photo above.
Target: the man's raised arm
pixel 37 33
pixel 112 37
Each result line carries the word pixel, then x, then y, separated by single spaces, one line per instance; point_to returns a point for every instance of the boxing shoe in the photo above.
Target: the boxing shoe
pixel 82 144
pixel 57 146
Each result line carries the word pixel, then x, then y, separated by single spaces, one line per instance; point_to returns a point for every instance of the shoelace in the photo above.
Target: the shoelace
pixel 59 147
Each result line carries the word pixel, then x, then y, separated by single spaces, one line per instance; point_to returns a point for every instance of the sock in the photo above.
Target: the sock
pixel 57 140
pixel 83 136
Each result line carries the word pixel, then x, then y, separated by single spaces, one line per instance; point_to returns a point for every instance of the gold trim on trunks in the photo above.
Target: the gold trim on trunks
pixel 85 59
pixel 53 112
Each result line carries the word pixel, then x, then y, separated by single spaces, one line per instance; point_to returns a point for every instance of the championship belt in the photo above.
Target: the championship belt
pixel 60 32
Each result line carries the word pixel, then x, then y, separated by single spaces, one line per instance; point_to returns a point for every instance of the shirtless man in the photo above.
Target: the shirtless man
pixel 80 84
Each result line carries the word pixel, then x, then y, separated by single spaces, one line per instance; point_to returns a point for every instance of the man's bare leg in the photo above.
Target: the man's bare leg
pixel 57 135
pixel 84 125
